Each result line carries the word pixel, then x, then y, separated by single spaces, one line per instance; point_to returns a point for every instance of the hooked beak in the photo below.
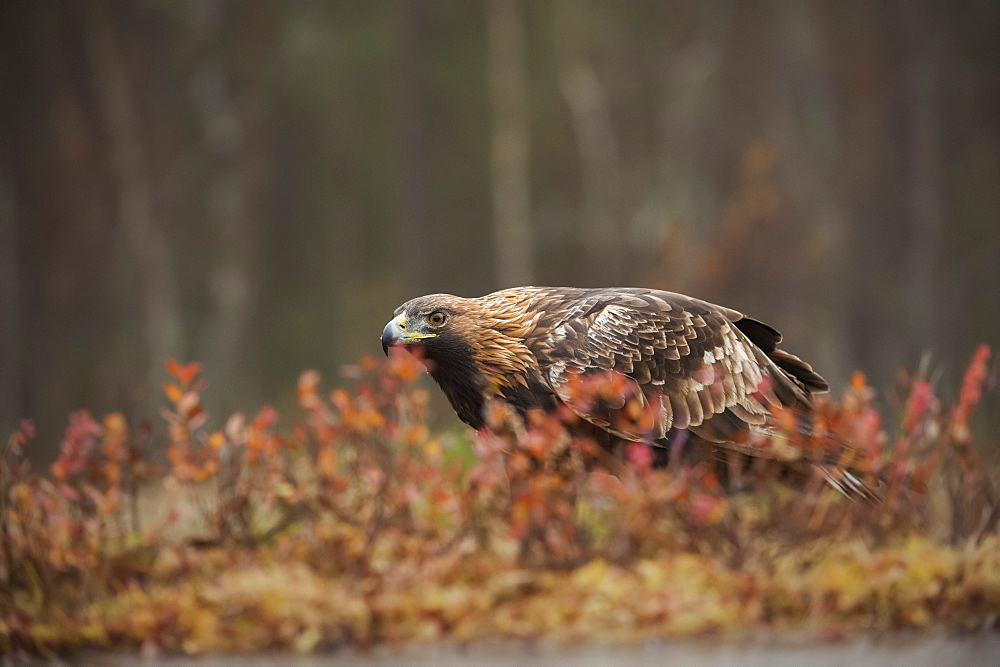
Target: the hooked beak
pixel 395 333
pixel 392 333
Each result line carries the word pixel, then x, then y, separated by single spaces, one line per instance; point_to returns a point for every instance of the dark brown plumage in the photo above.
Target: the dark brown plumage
pixel 693 365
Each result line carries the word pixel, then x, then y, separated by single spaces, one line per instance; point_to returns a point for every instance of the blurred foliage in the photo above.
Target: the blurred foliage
pixel 258 184
pixel 357 525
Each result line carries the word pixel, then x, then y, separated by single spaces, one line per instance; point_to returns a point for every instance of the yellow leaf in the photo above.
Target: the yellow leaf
pixel 173 392
pixel 216 441
pixel 307 640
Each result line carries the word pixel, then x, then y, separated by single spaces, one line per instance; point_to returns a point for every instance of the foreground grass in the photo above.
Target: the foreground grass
pixel 256 602
pixel 358 526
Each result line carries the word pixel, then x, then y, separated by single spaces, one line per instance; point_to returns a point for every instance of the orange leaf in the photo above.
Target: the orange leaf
pixel 185 373
pixel 216 441
pixel 326 462
pixel 308 382
pixel 188 372
pixel 173 392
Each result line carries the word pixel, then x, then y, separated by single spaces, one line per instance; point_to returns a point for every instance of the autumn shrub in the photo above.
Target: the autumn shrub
pixel 356 525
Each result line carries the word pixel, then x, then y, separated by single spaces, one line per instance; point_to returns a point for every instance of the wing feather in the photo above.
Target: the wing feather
pixel 687 358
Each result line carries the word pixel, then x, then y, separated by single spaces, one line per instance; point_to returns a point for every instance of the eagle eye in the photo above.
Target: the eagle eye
pixel 437 318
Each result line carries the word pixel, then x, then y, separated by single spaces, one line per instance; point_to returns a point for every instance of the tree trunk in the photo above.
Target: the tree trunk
pixel 145 239
pixel 590 112
pixel 509 146
pixel 413 250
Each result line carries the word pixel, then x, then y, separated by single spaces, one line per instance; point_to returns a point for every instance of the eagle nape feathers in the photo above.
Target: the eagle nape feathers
pixel 695 366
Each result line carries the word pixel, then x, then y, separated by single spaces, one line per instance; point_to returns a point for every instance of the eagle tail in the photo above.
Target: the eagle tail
pixel 841 467
pixel 766 337
pixel 802 372
pixel 852 486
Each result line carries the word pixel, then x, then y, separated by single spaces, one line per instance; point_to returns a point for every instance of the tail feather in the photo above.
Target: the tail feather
pixel 802 372
pixel 762 335
pixel 850 485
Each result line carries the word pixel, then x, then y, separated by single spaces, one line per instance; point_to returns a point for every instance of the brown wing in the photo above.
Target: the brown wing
pixel 690 363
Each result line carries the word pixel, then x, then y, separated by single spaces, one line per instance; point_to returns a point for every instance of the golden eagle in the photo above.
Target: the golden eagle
pixel 691 364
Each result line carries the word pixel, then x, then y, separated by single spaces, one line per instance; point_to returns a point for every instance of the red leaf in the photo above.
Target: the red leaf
pixel 640 455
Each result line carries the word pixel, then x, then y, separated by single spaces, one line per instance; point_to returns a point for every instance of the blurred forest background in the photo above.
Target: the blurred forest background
pixel 257 185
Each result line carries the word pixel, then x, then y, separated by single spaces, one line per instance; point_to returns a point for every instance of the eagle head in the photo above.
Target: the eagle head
pixel 475 349
pixel 419 321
